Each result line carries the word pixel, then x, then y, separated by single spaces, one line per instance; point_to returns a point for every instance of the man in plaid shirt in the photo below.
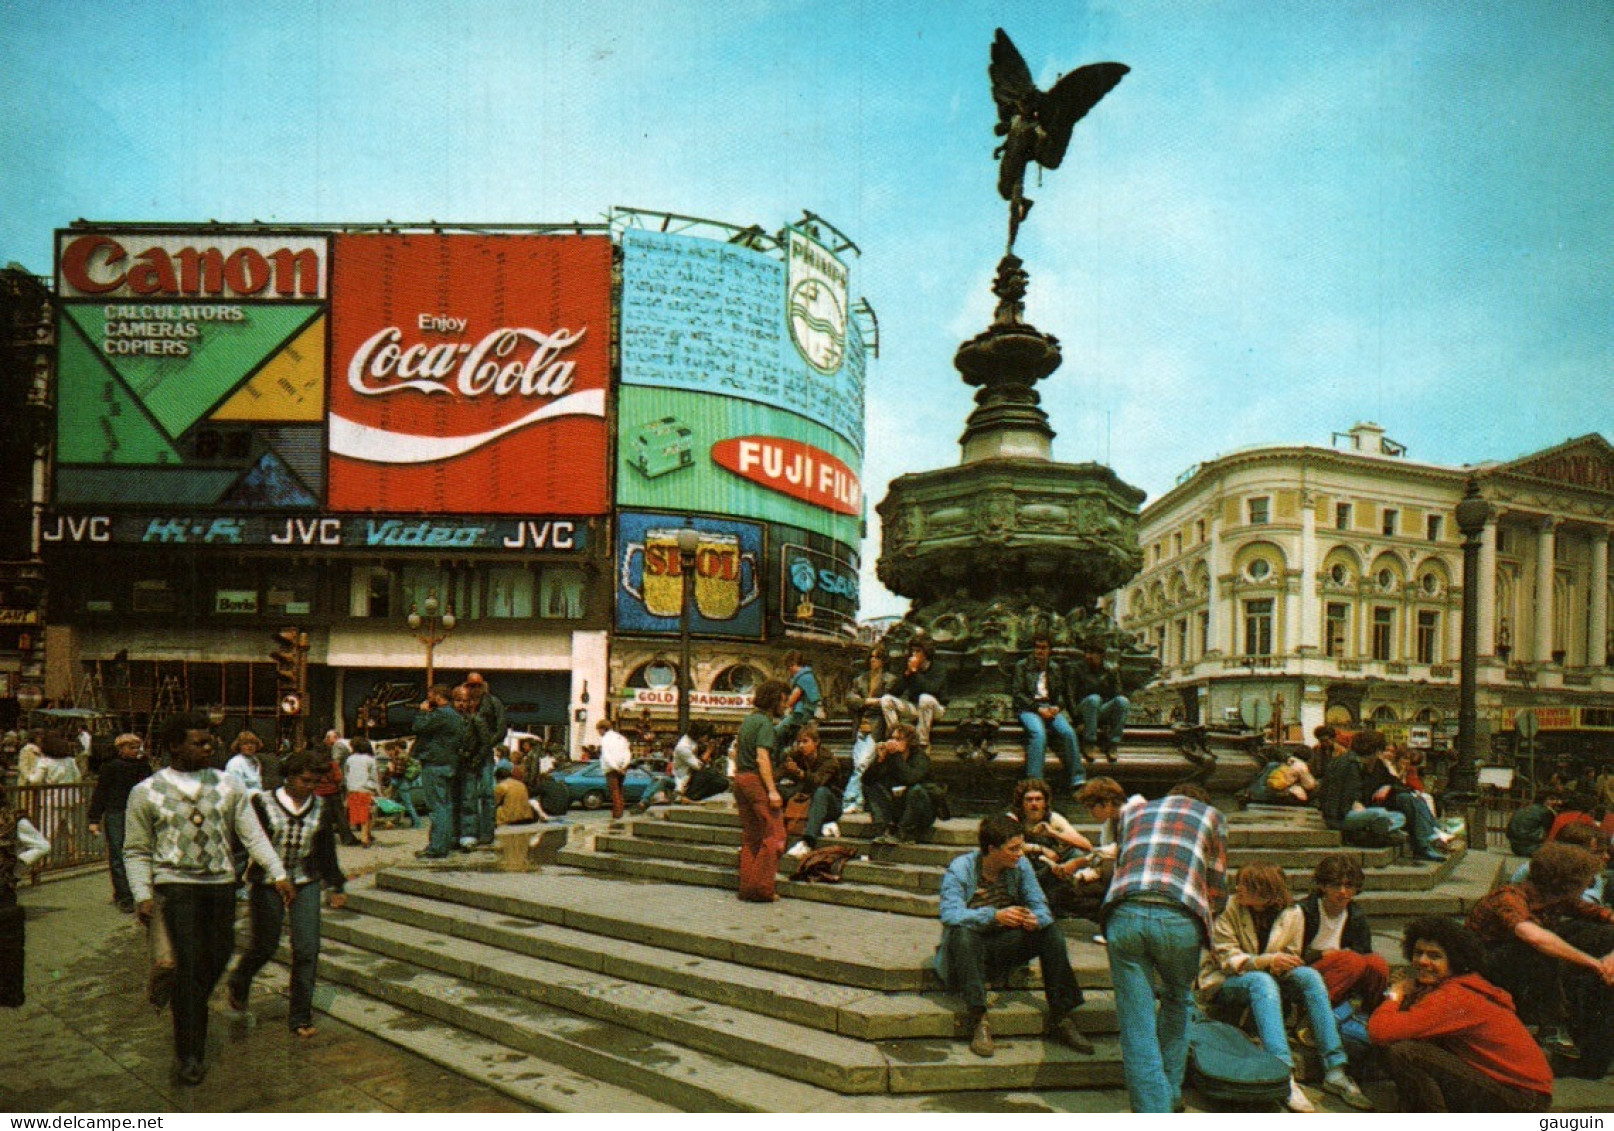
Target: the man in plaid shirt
pixel 1170 881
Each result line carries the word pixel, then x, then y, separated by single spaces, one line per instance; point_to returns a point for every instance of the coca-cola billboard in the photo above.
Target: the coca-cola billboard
pixel 469 373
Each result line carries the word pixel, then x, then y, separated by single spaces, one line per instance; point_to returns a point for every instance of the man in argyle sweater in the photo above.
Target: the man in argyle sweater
pixel 183 825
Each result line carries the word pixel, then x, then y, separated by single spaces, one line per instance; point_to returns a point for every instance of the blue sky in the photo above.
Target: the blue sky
pixel 1289 216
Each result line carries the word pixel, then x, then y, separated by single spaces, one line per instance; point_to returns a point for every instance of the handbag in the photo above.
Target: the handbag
pixel 796 813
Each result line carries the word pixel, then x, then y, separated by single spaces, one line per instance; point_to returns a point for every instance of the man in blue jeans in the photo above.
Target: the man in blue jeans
pixel 1095 695
pixel 439 733
pixel 1038 687
pixel 994 920
pixel 1170 881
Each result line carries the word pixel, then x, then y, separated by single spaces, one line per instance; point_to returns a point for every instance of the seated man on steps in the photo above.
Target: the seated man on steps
pixel 995 920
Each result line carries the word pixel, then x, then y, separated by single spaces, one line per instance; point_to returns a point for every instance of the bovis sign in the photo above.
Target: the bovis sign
pixel 792 468
pixel 469 373
pixel 190 265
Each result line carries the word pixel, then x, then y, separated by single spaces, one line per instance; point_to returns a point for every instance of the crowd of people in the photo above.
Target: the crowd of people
pixel 1488 1013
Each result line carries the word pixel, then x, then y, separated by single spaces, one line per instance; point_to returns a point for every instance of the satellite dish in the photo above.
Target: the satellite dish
pixel 1255 711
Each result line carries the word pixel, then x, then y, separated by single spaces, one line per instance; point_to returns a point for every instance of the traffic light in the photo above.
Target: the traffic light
pixel 287 658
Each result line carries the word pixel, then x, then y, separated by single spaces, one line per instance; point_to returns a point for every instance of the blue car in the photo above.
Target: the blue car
pixel 586 784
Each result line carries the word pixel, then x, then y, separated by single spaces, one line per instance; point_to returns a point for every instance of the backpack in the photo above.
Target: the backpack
pixel 1372 833
pixel 1225 1065
pixel 553 796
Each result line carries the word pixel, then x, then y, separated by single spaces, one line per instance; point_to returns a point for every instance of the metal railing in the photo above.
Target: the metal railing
pixel 61 813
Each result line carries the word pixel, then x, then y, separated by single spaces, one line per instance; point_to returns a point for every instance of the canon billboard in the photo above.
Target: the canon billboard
pixel 191 369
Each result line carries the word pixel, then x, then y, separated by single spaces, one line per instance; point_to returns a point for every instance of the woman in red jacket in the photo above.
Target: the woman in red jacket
pixel 1454 1041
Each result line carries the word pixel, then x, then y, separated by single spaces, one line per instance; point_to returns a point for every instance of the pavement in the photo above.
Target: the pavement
pixel 87 1041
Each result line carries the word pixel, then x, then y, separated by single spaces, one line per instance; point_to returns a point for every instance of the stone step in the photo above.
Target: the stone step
pixel 882 866
pixel 862 871
pixel 525 1077
pixel 870 950
pixel 759 1079
pixel 871 897
pixel 850 1011
pixel 686 1078
pixel 825 1059
pixel 1276 831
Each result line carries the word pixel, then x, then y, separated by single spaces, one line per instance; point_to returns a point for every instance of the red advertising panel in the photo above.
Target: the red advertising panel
pixel 469 373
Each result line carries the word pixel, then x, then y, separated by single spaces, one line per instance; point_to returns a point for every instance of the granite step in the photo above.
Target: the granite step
pixel 815 1056
pixel 919 867
pixel 820 1002
pixel 1274 832
pixel 869 950
pixel 689 1053
pixel 871 897
pixel 525 1077
pixel 685 1078
pixel 883 873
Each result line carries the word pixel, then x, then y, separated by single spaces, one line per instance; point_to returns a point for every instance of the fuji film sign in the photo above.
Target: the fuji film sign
pixel 793 468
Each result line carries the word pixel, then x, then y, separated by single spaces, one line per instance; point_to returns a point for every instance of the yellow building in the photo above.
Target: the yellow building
pixel 1327 582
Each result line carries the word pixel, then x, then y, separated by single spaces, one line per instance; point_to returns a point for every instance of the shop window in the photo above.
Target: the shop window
pixel 741 679
pixel 1384 715
pixel 658 673
pixel 289 596
pixel 509 593
pixel 154 595
pixel 371 592
pixel 561 593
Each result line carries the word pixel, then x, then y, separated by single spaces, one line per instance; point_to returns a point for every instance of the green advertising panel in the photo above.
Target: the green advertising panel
pixel 686 451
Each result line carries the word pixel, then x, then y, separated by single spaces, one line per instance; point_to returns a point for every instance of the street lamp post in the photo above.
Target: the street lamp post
pixel 689 541
pixel 437 627
pixel 1472 514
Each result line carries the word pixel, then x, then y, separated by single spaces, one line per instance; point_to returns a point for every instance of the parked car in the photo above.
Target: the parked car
pixel 585 783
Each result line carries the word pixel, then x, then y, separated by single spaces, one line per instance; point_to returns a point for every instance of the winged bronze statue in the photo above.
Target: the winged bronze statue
pixel 1036 125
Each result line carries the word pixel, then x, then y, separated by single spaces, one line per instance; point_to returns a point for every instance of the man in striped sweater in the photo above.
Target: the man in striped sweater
pixel 182 826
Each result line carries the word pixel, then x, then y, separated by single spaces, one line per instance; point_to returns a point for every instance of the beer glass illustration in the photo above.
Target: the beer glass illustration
pixel 725 579
pixel 661 587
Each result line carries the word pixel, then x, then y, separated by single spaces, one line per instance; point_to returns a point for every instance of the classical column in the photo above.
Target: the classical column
pixel 1213 598
pixel 1487 590
pixel 1546 541
pixel 1310 607
pixel 1597 631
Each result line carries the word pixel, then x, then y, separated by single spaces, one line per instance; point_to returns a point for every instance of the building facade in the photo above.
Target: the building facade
pixel 26 349
pixel 320 431
pixel 1327 584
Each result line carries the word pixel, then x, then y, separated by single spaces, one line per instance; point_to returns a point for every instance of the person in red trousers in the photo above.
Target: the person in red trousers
pixel 1338 940
pixel 756 794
